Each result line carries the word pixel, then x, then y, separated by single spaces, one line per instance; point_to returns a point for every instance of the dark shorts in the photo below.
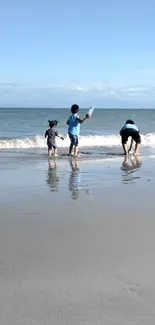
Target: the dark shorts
pixel 130 133
pixel 74 139
pixel 51 145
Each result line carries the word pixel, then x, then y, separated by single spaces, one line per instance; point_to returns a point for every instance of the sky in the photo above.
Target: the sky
pixel 54 53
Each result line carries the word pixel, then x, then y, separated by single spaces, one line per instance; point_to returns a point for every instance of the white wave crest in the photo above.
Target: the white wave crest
pixel 39 141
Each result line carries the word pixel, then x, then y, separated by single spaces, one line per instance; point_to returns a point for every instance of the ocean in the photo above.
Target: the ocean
pixel 22 129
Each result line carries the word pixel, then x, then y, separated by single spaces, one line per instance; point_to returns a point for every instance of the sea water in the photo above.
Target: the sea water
pixel 24 128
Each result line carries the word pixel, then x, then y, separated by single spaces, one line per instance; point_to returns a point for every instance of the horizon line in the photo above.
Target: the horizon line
pixel 96 108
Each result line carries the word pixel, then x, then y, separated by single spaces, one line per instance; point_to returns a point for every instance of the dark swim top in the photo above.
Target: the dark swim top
pixel 51 134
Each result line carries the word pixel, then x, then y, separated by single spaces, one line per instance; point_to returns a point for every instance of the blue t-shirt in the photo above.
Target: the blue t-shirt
pixel 130 126
pixel 74 125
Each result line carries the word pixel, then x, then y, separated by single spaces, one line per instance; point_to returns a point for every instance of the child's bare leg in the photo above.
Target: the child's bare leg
pixel 124 145
pixel 131 144
pixel 49 152
pixel 136 148
pixel 76 149
pixel 55 151
pixel 71 148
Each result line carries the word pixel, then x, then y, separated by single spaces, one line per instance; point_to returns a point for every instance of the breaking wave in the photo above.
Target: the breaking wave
pixel 39 141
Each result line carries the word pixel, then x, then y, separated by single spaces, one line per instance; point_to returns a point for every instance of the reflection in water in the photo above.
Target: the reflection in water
pixel 52 180
pixel 75 185
pixel 75 179
pixel 130 166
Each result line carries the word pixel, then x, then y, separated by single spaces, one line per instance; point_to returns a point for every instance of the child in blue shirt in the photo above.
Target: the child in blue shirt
pixel 73 123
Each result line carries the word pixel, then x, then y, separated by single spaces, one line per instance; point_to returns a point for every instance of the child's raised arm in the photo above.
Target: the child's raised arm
pixel 82 120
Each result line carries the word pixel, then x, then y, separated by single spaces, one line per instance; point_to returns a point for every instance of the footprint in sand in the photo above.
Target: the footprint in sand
pixel 131 287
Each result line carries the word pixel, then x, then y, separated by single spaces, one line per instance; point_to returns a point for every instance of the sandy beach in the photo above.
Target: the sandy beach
pixel 77 244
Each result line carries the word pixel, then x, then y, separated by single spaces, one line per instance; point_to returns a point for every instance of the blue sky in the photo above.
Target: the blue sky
pixel 55 53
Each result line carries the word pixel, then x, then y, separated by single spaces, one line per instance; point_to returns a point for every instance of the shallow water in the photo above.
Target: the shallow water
pixel 24 128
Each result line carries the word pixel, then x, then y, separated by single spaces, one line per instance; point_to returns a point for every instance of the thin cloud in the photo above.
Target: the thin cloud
pixel 19 94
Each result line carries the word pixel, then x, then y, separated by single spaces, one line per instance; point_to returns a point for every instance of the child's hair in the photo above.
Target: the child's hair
pixel 52 123
pixel 129 122
pixel 74 109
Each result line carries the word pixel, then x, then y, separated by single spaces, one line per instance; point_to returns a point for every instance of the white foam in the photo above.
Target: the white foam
pixel 39 141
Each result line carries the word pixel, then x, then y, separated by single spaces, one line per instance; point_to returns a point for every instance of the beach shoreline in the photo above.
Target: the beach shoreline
pixel 77 241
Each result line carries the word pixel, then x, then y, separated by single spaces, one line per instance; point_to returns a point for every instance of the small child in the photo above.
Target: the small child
pixel 74 122
pixel 51 133
pixel 130 130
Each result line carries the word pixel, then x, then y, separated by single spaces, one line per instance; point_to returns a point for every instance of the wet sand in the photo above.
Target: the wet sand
pixel 77 242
